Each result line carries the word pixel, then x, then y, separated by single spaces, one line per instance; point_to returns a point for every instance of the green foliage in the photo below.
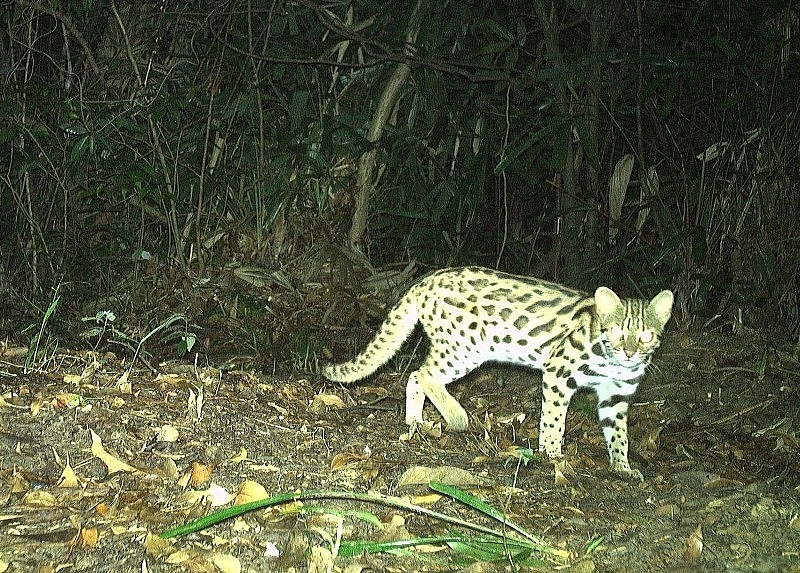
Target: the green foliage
pixel 510 543
pixel 174 330
pixel 238 133
pixel 42 343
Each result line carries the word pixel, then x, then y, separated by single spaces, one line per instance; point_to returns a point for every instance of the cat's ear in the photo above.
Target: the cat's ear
pixel 607 302
pixel 661 306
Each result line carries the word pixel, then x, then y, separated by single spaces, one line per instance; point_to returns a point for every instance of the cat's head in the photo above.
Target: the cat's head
pixel 632 328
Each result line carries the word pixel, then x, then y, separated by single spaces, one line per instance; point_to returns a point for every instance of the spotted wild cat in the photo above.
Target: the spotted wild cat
pixel 474 315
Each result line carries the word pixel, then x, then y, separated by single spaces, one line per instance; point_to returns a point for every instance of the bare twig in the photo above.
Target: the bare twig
pixel 67 21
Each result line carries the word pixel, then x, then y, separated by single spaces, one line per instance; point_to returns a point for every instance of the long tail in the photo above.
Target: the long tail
pixel 397 327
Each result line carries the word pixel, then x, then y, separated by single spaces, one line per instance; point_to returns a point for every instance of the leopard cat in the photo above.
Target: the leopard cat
pixel 474 315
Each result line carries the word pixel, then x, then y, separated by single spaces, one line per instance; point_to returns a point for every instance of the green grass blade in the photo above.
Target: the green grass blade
pixel 493 538
pixel 482 506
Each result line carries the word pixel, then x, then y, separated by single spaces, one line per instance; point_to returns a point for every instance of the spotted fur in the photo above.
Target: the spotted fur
pixel 473 315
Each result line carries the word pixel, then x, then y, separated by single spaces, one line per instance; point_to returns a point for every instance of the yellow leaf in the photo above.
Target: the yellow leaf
pixel 36 405
pixel 68 478
pixel 39 498
pixel 113 464
pixel 72 379
pixel 226 563
pixel 87 537
pixel 250 491
pixel 330 400
pixel 158 547
pixel 123 385
pixel 66 400
pixel 18 483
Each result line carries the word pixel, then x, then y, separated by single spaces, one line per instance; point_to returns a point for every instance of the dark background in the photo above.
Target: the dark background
pixel 154 148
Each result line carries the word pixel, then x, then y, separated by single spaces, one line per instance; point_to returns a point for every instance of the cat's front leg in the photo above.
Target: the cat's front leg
pixel 556 394
pixel 612 409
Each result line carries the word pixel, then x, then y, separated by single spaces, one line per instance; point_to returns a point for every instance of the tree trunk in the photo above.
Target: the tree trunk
pixel 570 205
pixel 367 179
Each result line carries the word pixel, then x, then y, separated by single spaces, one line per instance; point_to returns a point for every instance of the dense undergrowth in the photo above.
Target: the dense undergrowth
pixel 637 146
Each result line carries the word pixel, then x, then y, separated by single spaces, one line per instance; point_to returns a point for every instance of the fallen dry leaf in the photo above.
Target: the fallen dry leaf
pixel 72 379
pixel 18 483
pixel 199 473
pixel 215 495
pixel 66 400
pixel 124 384
pixel 102 509
pixel 195 403
pixel 36 405
pixel 562 469
pixel 419 475
pixel 87 538
pixel 88 373
pixel 158 547
pixel 340 460
pixel 112 464
pixel 68 477
pixel 39 498
pixel 240 457
pixel 693 545
pixel 320 560
pixel 250 491
pixel 427 499
pixel 322 402
pixel 170 470
pixel 177 557
pixel 226 563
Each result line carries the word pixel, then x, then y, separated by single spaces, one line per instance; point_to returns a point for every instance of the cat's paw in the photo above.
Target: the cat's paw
pixel 627 472
pixel 422 429
pixel 457 420
pixel 554 453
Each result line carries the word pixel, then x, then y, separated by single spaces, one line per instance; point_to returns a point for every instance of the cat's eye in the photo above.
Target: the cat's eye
pixel 616 333
pixel 646 336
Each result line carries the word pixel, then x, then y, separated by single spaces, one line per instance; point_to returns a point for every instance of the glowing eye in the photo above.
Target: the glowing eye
pixel 646 336
pixel 616 333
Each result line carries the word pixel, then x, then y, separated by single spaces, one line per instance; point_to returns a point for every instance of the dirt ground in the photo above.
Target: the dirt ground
pixel 94 462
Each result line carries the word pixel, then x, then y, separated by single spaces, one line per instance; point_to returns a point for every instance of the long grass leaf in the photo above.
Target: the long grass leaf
pixel 231 512
pixel 482 506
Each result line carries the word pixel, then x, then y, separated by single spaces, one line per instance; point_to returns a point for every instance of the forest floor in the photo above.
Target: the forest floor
pixel 98 456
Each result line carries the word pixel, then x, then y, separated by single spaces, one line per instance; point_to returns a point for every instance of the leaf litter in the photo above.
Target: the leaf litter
pixel 93 474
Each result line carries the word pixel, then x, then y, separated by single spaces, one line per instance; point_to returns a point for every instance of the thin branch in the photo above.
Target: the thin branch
pixel 376 50
pixel 67 21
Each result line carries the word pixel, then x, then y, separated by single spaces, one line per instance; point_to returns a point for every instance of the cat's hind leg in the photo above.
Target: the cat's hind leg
pixel 432 378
